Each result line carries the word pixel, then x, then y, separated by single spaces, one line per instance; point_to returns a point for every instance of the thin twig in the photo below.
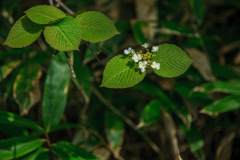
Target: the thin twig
pixel 55 53
pixel 95 53
pixel 66 8
pixel 70 65
pixel 51 2
pixel 58 3
pixel 129 122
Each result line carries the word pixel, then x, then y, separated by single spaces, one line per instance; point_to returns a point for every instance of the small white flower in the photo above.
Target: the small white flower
pixel 137 57
pixel 145 45
pixel 155 48
pixel 143 65
pixel 128 51
pixel 155 65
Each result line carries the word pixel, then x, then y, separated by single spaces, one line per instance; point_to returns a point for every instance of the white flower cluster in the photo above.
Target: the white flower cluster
pixel 137 57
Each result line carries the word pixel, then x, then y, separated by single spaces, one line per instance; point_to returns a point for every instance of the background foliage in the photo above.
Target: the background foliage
pixel 45 113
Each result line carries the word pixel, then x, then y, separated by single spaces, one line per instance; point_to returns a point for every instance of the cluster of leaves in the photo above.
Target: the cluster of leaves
pixel 61 32
pixel 196 113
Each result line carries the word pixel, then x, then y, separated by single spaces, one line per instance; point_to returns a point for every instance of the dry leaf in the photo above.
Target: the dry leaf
pixel 201 63
pixel 224 150
pixel 171 132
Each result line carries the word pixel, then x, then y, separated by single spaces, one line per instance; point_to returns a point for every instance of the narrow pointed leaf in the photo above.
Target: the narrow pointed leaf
pixel 219 86
pixel 55 91
pixel 121 72
pixel 95 26
pixel 16 147
pixel 226 104
pixel 35 154
pixel 114 128
pixel 26 89
pixel 13 119
pixel 6 69
pixel 45 14
pixel 64 35
pixel 173 61
pixel 67 151
pixel 23 33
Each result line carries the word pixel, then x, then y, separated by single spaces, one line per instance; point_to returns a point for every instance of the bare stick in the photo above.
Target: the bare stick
pixel 58 3
pixel 51 2
pixel 129 122
pixel 54 54
pixel 66 8
pixel 95 53
pixel 70 65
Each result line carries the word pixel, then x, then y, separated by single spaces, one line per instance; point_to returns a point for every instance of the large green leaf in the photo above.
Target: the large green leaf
pixel 151 112
pixel 18 146
pixel 23 33
pixel 220 86
pixel 114 128
pixel 35 155
pixel 95 26
pixel 45 14
pixel 26 89
pixel 13 119
pixel 121 72
pixel 198 8
pixel 226 104
pixel 173 61
pixel 55 91
pixel 6 69
pixel 67 151
pixel 64 35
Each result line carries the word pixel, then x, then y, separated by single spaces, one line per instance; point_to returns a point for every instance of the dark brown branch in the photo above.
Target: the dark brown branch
pixel 55 53
pixel 70 65
pixel 95 53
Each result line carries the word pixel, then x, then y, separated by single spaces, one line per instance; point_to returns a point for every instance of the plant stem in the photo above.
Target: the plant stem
pixel 65 7
pixel 70 65
pixel 51 2
pixel 129 122
pixel 95 53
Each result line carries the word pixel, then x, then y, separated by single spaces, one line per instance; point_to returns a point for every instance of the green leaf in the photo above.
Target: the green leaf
pixel 23 33
pixel 26 89
pixel 173 61
pixel 67 151
pixel 45 14
pixel 226 104
pixel 64 35
pixel 219 86
pixel 151 89
pixel 151 112
pixel 223 71
pixel 121 72
pixel 35 154
pixel 18 146
pixel 196 143
pixel 198 8
pixel 6 69
pixel 13 119
pixel 55 91
pixel 114 128
pixel 95 26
